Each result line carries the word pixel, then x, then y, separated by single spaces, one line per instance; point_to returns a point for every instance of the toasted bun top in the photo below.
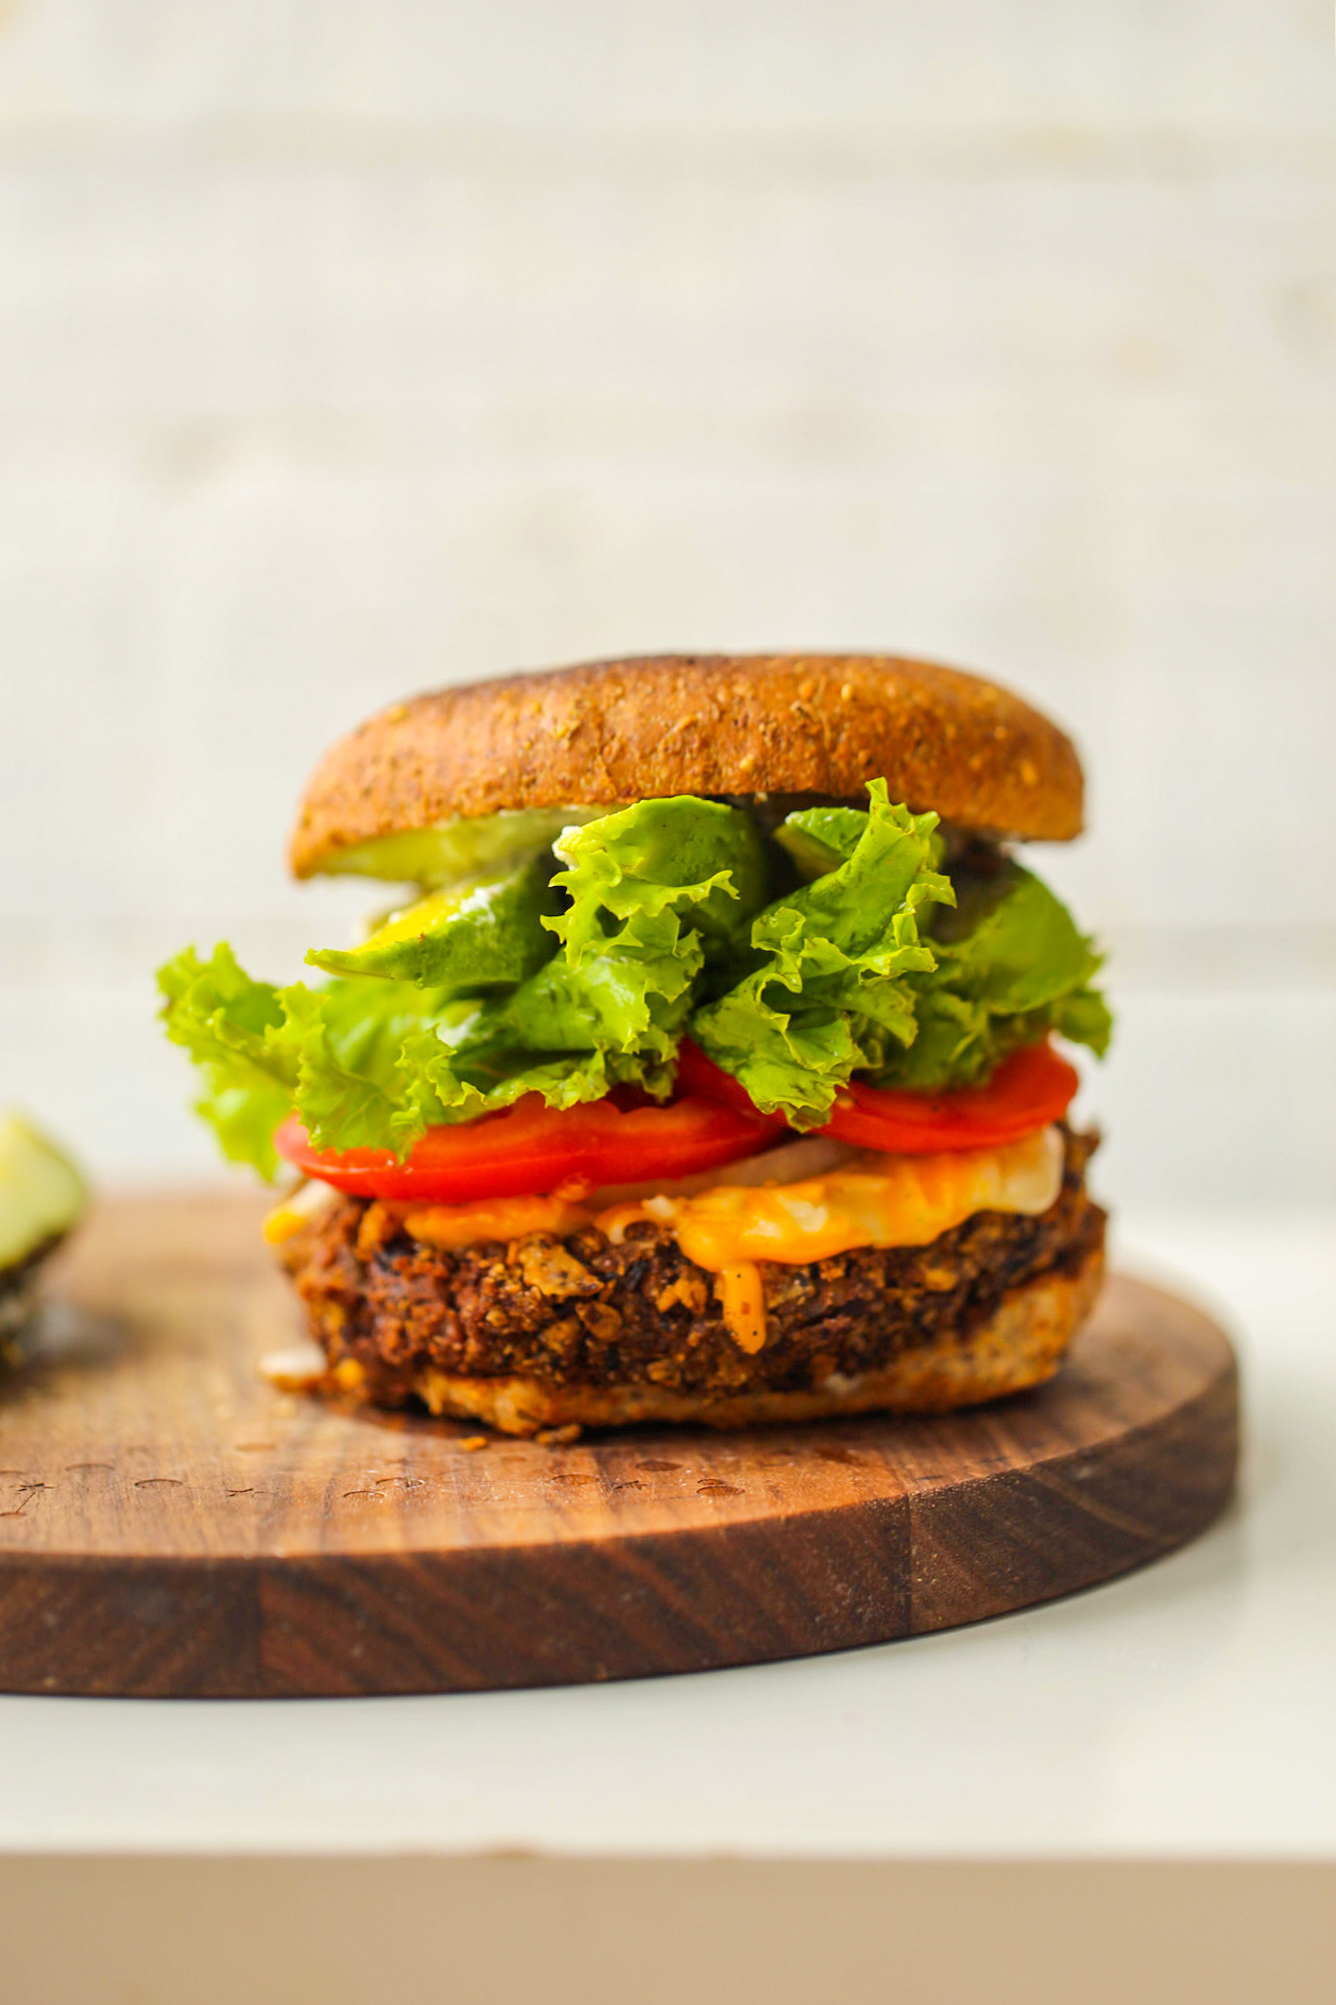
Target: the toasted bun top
pixel 620 731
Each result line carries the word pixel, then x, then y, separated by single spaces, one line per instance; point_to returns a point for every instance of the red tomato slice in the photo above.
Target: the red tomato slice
pixel 532 1148
pixel 698 1074
pixel 1028 1090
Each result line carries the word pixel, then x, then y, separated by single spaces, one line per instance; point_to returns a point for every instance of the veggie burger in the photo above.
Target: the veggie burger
pixel 708 1071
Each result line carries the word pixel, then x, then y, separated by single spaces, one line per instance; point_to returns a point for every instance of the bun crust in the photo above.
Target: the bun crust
pixel 1020 1345
pixel 618 731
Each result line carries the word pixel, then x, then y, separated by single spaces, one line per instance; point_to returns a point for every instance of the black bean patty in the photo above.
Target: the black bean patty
pixel 582 1310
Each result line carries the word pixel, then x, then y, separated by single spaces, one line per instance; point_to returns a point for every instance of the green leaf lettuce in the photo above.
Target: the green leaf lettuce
pixel 569 981
pixel 1011 966
pixel 829 988
pixel 649 897
pixel 229 1025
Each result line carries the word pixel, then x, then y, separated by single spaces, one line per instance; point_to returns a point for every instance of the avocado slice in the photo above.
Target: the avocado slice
pixel 449 851
pixel 479 934
pixel 42 1195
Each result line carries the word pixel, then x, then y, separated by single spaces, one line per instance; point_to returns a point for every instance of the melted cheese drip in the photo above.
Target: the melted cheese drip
pixel 904 1201
pixel 741 1295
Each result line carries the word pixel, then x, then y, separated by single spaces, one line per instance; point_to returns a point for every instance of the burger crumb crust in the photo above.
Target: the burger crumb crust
pixel 738 725
pixel 543 1332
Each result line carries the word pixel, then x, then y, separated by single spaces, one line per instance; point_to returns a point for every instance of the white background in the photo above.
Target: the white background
pixel 345 348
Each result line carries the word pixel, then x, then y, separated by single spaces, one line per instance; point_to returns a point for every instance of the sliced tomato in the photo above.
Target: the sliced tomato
pixel 532 1148
pixel 698 1074
pixel 1028 1090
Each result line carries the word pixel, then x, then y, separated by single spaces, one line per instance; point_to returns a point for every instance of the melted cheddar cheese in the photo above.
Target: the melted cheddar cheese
pixel 902 1201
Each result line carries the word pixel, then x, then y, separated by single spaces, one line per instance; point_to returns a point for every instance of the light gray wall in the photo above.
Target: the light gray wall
pixel 349 347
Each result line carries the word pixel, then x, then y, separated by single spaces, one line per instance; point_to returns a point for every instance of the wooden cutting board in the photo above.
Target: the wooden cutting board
pixel 171 1525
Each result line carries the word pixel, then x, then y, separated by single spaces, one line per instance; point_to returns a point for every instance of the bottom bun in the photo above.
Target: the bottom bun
pixel 1019 1345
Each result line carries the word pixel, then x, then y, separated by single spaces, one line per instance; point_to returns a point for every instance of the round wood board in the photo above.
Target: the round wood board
pixel 172 1525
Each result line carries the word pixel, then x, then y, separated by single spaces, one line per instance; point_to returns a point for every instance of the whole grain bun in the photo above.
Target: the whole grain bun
pixel 1020 1345
pixel 618 731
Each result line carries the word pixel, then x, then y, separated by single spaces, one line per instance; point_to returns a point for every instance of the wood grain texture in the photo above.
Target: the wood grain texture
pixel 171 1525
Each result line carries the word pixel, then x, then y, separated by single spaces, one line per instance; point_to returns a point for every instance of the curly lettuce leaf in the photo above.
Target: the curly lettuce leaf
pixel 1011 966
pixel 332 1053
pixel 347 1040
pixel 455 1072
pixel 828 989
pixel 656 893
pixel 698 862
pixel 229 1024
pixel 391 1046
pixel 480 935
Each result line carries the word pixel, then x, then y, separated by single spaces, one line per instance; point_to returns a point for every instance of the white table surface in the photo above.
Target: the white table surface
pixel 1188 1710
